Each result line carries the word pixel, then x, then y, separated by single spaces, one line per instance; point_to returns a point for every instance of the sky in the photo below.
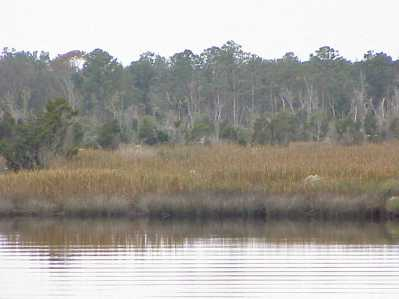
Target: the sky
pixel 269 28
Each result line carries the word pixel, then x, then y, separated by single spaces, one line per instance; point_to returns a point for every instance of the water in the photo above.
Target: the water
pixel 230 259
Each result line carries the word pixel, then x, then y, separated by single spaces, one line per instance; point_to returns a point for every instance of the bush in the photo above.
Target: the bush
pixel 317 126
pixel 394 127
pixel 236 135
pixel 149 133
pixel 109 135
pixel 284 127
pixel 262 131
pixel 371 127
pixel 229 133
pixel 163 137
pixel 348 131
pixel 201 129
pixel 28 145
pixel 279 129
pixel 244 136
pixel 7 126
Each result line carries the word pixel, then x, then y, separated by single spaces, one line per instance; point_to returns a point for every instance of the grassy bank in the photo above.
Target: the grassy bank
pixel 222 180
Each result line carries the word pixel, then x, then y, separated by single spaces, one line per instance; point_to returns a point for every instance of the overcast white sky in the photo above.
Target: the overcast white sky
pixel 268 28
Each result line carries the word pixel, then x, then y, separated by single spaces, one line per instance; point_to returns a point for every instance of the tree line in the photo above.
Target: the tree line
pixel 223 94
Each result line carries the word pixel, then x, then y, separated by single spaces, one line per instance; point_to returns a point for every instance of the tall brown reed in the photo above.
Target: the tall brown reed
pixel 131 172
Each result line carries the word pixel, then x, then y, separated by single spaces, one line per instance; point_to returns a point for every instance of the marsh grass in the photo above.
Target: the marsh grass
pixel 202 180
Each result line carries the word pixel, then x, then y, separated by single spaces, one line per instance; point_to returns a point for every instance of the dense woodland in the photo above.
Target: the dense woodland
pixel 223 94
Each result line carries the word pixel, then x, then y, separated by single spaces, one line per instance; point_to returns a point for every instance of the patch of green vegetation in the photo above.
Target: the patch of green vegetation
pixel 30 144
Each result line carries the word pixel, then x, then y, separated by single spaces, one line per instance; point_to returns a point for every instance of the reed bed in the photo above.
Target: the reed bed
pixel 216 179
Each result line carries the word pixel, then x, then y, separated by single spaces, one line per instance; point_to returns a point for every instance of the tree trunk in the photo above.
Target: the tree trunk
pixel 218 116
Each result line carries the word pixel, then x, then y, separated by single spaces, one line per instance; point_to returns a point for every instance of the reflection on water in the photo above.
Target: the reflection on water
pixel 147 259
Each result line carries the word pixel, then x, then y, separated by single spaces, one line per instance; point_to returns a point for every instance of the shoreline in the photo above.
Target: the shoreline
pixel 210 205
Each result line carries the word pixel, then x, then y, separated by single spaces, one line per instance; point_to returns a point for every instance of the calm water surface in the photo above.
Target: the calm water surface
pixel 231 259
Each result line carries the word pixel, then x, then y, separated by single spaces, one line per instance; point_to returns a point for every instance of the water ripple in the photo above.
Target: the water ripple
pixel 97 262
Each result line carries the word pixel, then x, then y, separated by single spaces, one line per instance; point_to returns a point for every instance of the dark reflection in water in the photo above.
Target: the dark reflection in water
pixel 113 258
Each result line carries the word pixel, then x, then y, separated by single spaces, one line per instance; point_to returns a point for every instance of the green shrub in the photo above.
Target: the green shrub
pixel 29 144
pixel 148 130
pixel 229 133
pixel 317 126
pixel 163 137
pixel 244 136
pixel 262 131
pixel 394 127
pixel 109 135
pixel 201 129
pixel 279 129
pixel 348 131
pixel 149 133
pixel 241 136
pixel 371 127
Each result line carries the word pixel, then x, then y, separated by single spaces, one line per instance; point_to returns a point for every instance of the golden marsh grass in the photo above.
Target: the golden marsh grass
pixel 114 182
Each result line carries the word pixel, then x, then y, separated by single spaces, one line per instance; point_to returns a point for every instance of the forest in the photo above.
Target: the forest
pixel 222 95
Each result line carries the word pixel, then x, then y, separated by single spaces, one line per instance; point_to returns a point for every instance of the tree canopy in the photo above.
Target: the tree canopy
pixel 223 89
